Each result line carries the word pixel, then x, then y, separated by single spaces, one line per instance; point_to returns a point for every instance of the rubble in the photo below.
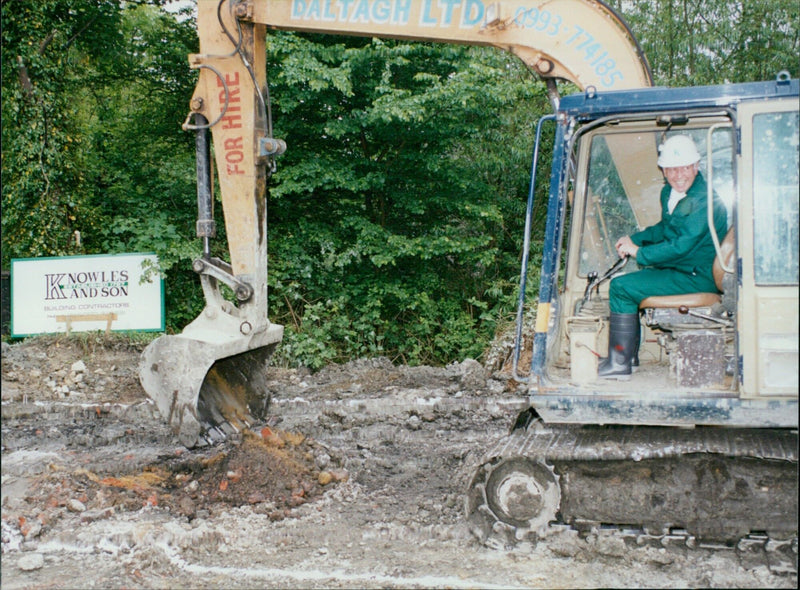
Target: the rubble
pixel 355 480
pixel 30 562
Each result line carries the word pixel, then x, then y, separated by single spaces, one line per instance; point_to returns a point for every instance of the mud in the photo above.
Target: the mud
pixel 356 479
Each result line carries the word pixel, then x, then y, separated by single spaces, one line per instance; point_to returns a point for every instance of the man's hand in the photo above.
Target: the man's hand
pixel 626 247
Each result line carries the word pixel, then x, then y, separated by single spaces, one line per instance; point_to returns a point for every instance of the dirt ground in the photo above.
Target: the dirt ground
pixel 357 479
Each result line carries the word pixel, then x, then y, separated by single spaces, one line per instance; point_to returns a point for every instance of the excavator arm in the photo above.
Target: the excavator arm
pixel 210 378
pixel 583 41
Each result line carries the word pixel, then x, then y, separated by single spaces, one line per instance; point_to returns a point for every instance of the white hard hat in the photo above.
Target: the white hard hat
pixel 678 150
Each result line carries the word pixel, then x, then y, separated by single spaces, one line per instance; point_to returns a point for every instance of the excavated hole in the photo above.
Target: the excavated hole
pixel 271 470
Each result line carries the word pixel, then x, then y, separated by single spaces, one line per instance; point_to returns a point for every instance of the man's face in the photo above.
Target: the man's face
pixel 681 177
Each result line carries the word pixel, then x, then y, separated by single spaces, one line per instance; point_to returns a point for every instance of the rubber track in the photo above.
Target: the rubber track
pixel 556 444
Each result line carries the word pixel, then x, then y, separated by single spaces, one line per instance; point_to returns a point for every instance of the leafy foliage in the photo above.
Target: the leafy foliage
pixel 44 150
pixel 394 236
pixel 714 41
pixel 93 157
pixel 396 214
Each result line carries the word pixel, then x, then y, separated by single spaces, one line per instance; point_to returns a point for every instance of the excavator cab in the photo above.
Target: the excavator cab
pixel 702 438
pixel 702 357
pixel 619 195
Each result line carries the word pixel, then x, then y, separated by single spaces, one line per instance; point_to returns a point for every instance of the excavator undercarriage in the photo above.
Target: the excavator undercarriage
pixel 696 486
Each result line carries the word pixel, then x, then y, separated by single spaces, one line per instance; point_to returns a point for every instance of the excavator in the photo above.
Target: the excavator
pixel 700 443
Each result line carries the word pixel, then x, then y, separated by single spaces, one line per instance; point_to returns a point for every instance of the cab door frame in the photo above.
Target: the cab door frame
pixel 767 314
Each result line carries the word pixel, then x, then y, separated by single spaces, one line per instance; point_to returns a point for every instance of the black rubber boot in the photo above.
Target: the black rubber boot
pixel 623 337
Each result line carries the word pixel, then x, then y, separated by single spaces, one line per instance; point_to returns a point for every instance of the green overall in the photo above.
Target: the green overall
pixel 677 252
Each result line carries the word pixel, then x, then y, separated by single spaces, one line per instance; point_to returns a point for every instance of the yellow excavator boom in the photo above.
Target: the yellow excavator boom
pixel 583 41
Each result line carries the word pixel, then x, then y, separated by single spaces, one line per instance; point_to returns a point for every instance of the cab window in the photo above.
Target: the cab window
pixel 623 187
pixel 776 192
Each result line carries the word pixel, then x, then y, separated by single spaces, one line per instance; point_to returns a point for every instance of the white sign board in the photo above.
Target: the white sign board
pixel 85 293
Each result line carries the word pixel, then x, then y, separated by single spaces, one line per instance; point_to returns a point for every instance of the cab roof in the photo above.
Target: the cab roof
pixel 592 103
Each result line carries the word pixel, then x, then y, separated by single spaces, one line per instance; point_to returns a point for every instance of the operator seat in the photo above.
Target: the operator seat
pixel 675 311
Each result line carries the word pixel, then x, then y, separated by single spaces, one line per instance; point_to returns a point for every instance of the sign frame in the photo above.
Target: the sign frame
pixel 84 294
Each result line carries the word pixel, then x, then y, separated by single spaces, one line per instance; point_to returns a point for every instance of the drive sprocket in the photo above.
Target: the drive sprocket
pixel 513 499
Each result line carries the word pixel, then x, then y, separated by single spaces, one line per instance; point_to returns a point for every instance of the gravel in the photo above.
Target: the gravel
pixel 92 475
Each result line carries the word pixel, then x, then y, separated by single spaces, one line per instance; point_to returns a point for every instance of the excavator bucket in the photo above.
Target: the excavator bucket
pixel 207 389
pixel 210 381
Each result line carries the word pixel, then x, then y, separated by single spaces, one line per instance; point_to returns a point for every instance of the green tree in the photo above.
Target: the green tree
pixel 716 41
pixel 94 160
pixel 143 173
pixel 48 49
pixel 394 216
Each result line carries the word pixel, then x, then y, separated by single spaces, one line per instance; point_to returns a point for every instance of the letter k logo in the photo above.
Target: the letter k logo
pixel 53 290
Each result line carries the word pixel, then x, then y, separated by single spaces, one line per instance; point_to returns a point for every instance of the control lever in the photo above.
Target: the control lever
pixel 593 280
pixel 687 311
